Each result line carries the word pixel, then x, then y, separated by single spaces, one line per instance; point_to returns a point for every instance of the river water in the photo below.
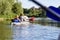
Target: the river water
pixel 35 32
pixel 39 30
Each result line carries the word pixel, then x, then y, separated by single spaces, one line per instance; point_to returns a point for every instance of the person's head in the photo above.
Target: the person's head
pixel 16 16
pixel 21 14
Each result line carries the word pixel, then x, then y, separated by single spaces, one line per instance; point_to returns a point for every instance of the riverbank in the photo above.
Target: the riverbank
pixel 42 21
pixel 4 21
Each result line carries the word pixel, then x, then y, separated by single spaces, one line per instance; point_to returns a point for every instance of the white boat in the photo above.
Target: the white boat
pixel 20 23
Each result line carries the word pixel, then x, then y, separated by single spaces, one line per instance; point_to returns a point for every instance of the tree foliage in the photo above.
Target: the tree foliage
pixel 17 8
pixel 37 12
pixel 10 8
pixel 6 7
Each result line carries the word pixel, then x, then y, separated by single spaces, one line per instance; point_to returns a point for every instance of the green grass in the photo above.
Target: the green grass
pixel 10 15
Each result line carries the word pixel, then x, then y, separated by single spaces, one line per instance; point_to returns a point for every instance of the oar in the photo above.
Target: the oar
pixel 54 15
pixel 57 10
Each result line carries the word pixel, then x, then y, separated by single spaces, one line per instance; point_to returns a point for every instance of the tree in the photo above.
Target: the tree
pixel 26 11
pixel 17 8
pixel 34 11
pixel 6 6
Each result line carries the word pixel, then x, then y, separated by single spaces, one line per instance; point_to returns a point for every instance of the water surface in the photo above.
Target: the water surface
pixel 35 32
pixel 40 29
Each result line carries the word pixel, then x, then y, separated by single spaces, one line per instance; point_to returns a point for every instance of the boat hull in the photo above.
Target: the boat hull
pixel 20 23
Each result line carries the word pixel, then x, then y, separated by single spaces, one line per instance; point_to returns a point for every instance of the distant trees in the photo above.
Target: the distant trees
pixel 43 14
pixel 25 10
pixel 37 12
pixel 32 11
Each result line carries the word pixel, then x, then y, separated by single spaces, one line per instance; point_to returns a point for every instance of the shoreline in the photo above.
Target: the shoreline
pixel 3 19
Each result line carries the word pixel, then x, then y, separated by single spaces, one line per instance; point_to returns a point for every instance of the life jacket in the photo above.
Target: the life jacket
pixel 15 20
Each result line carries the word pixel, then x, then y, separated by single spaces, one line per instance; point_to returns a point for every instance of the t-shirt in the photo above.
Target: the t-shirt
pixel 24 18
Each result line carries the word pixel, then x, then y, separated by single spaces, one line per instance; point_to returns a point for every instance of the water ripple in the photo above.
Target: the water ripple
pixel 35 32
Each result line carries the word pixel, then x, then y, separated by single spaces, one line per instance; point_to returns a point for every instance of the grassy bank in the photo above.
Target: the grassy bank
pixel 5 21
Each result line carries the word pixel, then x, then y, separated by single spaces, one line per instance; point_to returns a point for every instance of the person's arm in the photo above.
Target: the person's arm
pixel 19 19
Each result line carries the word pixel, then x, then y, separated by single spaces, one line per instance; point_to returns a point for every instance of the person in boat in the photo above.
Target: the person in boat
pixel 23 17
pixel 31 18
pixel 16 19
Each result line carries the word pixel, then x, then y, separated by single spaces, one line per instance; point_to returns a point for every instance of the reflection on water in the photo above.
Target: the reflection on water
pixel 47 21
pixel 42 30
pixel 35 32
pixel 5 32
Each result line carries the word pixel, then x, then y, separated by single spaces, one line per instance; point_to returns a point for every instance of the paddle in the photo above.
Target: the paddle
pixel 57 10
pixel 51 12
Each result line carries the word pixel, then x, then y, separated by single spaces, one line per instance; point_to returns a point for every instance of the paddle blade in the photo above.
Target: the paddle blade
pixel 50 15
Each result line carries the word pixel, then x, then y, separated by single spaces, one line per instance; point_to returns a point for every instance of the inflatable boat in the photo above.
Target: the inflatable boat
pixel 20 23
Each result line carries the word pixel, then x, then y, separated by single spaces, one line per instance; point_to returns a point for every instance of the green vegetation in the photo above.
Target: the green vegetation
pixel 17 8
pixel 10 8
pixel 37 12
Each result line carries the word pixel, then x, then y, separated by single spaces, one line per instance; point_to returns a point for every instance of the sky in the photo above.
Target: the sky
pixel 47 3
